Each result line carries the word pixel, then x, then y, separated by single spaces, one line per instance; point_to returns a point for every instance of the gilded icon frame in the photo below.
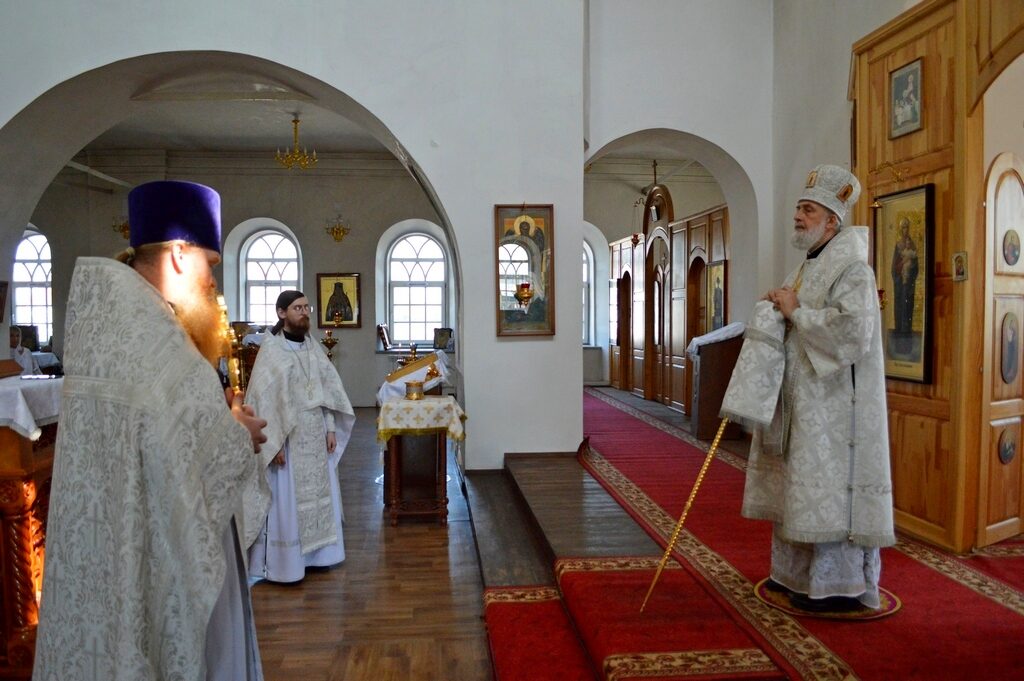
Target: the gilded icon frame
pixel 904 262
pixel 326 286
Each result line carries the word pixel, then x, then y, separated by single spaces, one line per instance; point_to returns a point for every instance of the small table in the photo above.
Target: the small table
pixel 399 420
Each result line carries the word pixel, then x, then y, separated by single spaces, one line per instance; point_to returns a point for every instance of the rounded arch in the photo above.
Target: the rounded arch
pixel 93 101
pixel 235 244
pixel 752 256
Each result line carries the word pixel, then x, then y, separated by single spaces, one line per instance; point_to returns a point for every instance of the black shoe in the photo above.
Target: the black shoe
pixel 771 585
pixel 827 604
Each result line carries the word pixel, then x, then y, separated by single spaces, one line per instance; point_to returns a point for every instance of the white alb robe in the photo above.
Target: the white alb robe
pixel 831 483
pixel 298 391
pixel 26 360
pixel 142 564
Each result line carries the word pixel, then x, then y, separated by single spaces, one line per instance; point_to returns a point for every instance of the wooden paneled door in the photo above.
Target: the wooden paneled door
pixel 622 372
pixel 638 328
pixel 676 329
pixel 1001 475
pixel 655 349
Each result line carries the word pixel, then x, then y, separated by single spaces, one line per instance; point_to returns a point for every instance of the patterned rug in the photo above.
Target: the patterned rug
pixel 956 618
pixel 889 605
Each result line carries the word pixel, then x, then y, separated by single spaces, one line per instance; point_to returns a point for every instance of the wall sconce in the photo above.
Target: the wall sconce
pixel 337 228
pixel 120 225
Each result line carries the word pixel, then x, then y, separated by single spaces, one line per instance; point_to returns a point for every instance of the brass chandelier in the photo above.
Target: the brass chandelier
pixel 295 157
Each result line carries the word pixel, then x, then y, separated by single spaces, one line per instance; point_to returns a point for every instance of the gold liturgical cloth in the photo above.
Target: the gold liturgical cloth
pixel 421 417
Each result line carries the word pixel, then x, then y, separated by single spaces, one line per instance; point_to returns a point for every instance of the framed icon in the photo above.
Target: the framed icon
pixel 905 100
pixel 524 243
pixel 904 252
pixel 337 302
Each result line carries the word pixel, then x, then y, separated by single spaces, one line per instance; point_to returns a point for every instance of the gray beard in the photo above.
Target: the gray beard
pixel 806 239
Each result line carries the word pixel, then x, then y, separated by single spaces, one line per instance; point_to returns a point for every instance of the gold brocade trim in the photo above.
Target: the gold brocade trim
pixel 687 663
pixel 517 594
pixel 947 565
pixel 564 565
pixel 811 657
pixel 423 361
pixel 385 435
pixel 1000 552
pixel 942 563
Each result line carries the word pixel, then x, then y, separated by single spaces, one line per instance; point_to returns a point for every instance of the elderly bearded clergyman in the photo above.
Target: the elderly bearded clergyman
pixel 820 471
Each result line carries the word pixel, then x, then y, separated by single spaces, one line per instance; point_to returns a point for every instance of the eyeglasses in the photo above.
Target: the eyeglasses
pixel 300 308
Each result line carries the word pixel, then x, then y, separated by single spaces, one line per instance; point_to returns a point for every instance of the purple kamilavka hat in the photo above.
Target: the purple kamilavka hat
pixel 170 210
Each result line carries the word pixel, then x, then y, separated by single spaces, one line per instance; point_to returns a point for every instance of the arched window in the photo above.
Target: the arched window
pixel 271 265
pixel 513 269
pixel 33 298
pixel 417 272
pixel 588 294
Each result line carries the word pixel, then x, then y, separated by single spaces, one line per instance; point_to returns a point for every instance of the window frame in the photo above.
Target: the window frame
pixel 390 286
pixel 46 330
pixel 245 284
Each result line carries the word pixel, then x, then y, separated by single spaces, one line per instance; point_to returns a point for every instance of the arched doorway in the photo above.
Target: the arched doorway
pixel 95 102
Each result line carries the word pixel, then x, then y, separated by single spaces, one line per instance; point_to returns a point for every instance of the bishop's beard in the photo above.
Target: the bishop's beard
pixel 805 240
pixel 201 318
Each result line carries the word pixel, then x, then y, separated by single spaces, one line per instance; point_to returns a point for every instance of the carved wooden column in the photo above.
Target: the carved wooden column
pixel 26 469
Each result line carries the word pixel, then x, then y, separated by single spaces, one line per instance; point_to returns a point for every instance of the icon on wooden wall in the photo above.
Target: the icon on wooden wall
pixel 1009 347
pixel 716 301
pixel 904 252
pixel 905 99
pixel 960 266
pixel 1007 445
pixel 1011 247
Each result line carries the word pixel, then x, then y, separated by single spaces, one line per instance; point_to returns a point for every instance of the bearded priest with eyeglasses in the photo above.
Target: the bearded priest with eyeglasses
pixel 295 387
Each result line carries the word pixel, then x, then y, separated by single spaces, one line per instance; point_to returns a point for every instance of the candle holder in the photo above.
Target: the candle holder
pixel 329 341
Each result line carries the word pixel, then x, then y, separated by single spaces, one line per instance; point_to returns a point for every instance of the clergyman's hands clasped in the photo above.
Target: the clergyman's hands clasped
pixel 784 299
pixel 245 415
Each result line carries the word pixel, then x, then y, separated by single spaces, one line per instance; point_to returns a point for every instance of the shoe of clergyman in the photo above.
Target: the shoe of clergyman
pixel 827 604
pixel 771 585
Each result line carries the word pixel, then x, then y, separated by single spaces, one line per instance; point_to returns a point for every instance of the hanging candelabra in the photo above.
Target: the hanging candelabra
pixel 295 156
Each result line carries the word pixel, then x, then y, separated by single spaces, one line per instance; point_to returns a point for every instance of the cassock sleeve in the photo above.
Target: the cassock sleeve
pixel 836 336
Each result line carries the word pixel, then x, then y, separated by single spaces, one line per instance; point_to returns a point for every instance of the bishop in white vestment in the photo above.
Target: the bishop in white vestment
pixel 309 420
pixel 820 472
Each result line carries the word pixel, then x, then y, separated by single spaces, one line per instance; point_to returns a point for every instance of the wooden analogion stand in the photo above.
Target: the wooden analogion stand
pixel 417 433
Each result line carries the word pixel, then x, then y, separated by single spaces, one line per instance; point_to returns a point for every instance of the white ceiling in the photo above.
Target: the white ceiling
pixel 235 126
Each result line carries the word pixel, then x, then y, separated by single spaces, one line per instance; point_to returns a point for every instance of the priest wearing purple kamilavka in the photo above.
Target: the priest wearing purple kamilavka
pixel 144 576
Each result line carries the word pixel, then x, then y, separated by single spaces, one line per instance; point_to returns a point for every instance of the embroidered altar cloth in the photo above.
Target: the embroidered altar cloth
pixel 421 417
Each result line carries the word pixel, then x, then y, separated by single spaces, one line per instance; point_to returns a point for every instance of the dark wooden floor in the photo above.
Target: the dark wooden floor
pixel 405 604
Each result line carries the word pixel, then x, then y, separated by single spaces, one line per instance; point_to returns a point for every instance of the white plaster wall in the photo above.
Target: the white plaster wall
pixel 486 97
pixel 813 51
pixel 705 69
pixel 1004 113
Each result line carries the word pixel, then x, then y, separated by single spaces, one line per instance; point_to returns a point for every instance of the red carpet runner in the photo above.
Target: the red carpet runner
pixel 956 620
pixel 531 637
